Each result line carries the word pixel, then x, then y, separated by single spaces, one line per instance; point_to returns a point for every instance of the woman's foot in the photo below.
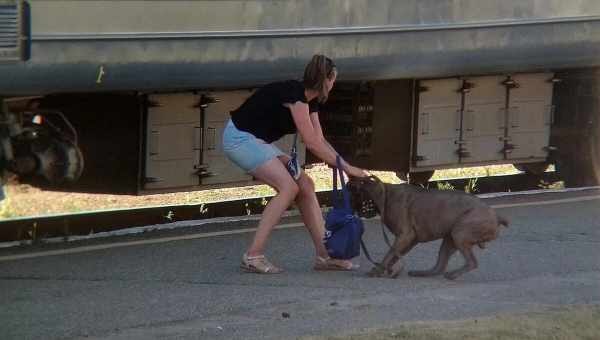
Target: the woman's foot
pixel 258 264
pixel 329 263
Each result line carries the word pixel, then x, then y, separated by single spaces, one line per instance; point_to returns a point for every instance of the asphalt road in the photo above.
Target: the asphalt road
pixel 192 288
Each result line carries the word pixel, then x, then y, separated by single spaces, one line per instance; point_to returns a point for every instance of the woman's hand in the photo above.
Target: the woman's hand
pixel 353 171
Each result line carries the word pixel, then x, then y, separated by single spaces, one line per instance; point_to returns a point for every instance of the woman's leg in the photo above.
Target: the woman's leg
pixel 276 175
pixel 312 216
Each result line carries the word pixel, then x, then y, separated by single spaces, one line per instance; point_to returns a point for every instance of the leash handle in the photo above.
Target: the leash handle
pixel 345 194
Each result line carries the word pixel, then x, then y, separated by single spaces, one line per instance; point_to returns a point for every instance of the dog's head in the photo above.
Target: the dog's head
pixel 362 192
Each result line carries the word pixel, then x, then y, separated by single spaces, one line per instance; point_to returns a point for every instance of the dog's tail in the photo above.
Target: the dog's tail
pixel 503 221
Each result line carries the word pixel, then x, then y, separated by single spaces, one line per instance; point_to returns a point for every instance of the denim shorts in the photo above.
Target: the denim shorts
pixel 245 150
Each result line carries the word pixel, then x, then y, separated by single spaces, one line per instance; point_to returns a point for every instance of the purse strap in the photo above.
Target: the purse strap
pixel 293 153
pixel 345 194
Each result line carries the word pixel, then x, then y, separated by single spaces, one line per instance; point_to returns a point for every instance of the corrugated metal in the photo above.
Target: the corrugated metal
pixel 306 32
pixel 8 26
pixel 103 45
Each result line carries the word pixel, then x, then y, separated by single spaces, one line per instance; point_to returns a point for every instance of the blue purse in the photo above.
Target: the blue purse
pixel 344 230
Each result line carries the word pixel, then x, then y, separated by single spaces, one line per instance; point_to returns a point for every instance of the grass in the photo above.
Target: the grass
pixel 6 210
pixel 561 323
pixel 25 200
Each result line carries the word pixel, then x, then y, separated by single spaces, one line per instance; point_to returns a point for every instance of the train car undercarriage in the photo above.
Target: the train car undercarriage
pixel 138 143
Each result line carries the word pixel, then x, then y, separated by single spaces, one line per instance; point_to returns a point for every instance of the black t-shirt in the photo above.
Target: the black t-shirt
pixel 264 115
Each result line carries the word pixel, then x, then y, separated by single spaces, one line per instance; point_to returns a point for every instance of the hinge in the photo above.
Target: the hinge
pixel 463 153
pixel 154 103
pixel 555 80
pixel 510 83
pixel 202 171
pixel 508 148
pixel 466 87
pixel 206 100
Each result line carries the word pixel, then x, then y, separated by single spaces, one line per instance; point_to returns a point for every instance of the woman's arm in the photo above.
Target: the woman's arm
pixel 314 118
pixel 309 128
pixel 351 170
pixel 313 138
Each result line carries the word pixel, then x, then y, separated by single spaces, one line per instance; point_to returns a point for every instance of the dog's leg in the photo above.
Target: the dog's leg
pixel 390 258
pixel 392 262
pixel 470 262
pixel 381 268
pixel 391 266
pixel 446 250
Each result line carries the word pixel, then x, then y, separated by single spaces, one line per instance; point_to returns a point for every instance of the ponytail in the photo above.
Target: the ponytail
pixel 316 72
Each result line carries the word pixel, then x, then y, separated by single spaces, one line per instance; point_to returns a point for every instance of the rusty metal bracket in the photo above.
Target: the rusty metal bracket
pixel 508 148
pixel 463 153
pixel 202 171
pixel 466 87
pixel 152 180
pixel 510 83
pixel 153 103
pixel 206 100
pixel 555 80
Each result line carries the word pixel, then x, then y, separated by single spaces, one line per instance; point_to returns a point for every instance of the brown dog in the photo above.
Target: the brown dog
pixel 416 215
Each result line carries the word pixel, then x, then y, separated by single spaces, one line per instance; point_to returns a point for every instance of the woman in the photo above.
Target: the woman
pixel 271 112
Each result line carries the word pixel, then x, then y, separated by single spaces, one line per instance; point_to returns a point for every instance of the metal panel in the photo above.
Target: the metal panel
pixel 438 124
pixel 483 119
pixel 217 167
pixel 9 37
pixel 529 116
pixel 172 141
pixel 11 30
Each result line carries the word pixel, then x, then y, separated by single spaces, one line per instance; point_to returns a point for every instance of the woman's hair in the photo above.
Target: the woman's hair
pixel 317 70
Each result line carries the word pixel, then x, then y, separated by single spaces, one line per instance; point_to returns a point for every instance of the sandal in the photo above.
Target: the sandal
pixel 258 264
pixel 329 263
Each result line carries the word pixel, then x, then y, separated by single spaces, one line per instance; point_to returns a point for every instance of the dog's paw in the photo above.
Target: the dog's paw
pixel 393 275
pixel 450 276
pixel 422 273
pixel 395 270
pixel 376 271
